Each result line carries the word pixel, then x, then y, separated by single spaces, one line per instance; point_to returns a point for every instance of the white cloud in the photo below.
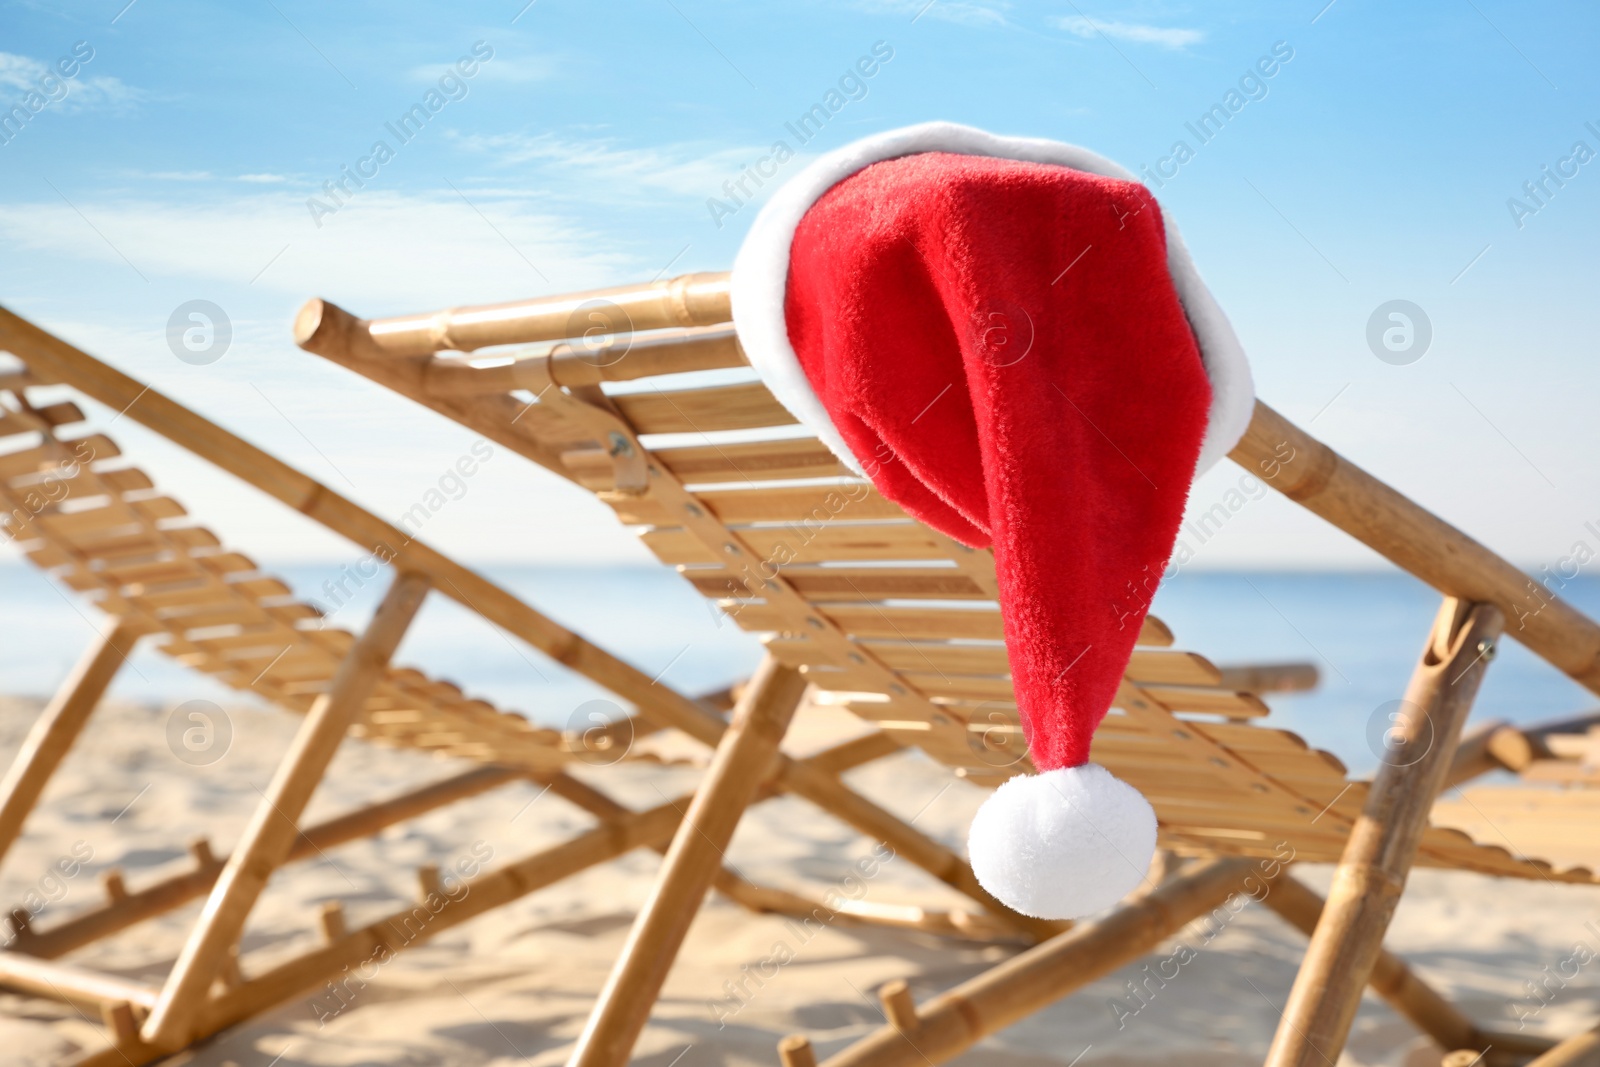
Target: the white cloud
pixel 382 249
pixel 20 72
pixel 102 94
pixel 1172 37
pixel 84 92
pixel 963 12
pixel 505 71
pixel 254 250
pixel 692 170
pixel 517 72
pixel 261 178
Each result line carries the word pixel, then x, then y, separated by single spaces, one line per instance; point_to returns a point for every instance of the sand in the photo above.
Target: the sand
pixel 513 986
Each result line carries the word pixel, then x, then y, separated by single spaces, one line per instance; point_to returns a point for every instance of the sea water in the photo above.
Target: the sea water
pixel 1363 631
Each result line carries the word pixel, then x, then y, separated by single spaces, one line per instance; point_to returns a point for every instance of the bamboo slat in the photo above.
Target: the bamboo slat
pixel 893 622
pixel 48 458
pixel 623 358
pixel 841 542
pixel 1216 701
pixel 52 415
pixel 1269 677
pixel 838 584
pixel 803 509
pixel 1282 764
pixel 930 655
pixel 813 505
pixel 960 687
pixel 803 457
pixel 1146 666
pixel 747 406
pixel 88 525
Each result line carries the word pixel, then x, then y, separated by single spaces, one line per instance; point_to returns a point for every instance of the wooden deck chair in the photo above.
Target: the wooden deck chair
pixel 1564 753
pixel 899 624
pixel 101 527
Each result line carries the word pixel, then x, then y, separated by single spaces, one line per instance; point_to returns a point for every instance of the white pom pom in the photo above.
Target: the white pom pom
pixel 1063 844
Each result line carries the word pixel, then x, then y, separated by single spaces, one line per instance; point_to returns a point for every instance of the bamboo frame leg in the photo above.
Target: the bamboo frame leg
pixel 1392 979
pixel 58 727
pixel 1580 1050
pixel 1372 872
pixel 1499 746
pixel 1326 484
pixel 795 1051
pixel 955 1020
pixel 742 761
pixel 70 984
pixel 275 825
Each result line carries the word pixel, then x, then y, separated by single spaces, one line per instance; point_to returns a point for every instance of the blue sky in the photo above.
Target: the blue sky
pixel 1374 165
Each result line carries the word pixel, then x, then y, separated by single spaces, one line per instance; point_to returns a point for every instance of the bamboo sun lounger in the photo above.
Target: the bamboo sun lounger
pixel 100 527
pixel 642 394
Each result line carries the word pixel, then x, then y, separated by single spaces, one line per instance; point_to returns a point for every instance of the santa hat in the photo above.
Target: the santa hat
pixel 1006 337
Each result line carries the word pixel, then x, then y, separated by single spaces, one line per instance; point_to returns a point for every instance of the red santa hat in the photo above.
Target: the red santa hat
pixel 1007 338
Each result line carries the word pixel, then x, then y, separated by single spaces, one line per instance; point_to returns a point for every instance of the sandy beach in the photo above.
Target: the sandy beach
pixel 513 986
pixel 1182 405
